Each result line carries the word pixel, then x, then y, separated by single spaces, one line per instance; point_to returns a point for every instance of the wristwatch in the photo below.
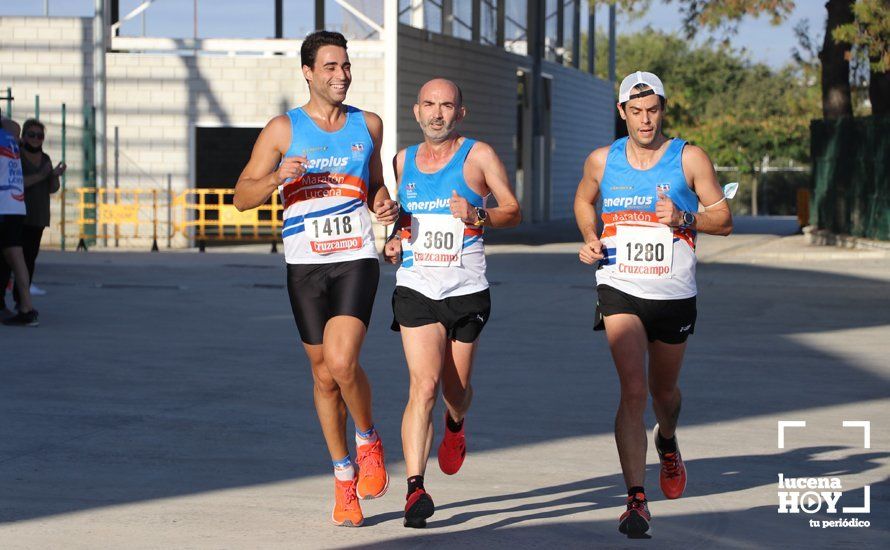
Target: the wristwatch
pixel 687 219
pixel 481 216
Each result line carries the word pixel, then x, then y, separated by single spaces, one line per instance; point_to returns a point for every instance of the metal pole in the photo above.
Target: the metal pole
pixel 195 24
pixel 576 33
pixel 9 102
pixel 46 8
pixel 447 17
pixel 100 43
pixel 591 37
pixel 476 24
pixel 319 15
pixel 560 30
pixel 64 151
pixel 37 106
pixel 390 92
pixel 279 19
pixel 116 178
pixel 170 209
pixel 612 43
pixel 501 23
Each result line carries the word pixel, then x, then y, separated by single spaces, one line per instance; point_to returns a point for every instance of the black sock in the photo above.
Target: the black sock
pixel 634 490
pixel 414 483
pixel 666 445
pixel 451 424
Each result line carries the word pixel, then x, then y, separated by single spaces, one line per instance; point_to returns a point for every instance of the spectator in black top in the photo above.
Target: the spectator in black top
pixel 41 180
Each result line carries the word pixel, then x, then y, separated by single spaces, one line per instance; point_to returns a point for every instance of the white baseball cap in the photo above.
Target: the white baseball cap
pixel 635 79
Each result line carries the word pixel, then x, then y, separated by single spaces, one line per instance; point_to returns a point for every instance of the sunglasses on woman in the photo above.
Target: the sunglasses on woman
pixel 37 135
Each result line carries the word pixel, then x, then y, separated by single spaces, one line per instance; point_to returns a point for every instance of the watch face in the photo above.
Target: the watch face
pixel 688 218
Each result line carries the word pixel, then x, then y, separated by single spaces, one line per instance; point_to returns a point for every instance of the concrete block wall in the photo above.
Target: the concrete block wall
pixel 582 119
pixel 155 100
pixel 52 58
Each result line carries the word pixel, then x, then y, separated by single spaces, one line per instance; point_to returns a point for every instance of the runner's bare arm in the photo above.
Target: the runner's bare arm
pixel 392 249
pixel 507 212
pixel 716 219
pixel 386 209
pixel 585 204
pixel 260 178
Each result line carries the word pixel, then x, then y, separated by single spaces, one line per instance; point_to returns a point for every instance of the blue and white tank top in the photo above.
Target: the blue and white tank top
pixel 12 182
pixel 641 266
pixel 326 217
pixel 441 256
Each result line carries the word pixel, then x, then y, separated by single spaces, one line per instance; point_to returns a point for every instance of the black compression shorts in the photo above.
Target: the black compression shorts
pixel 319 292
pixel 463 317
pixel 670 321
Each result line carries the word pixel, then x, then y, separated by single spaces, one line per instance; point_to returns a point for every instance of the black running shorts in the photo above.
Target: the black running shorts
pixel 463 317
pixel 11 230
pixel 319 292
pixel 670 321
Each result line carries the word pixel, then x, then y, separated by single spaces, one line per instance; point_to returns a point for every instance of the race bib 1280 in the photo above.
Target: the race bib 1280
pixel 334 233
pixel 436 239
pixel 643 252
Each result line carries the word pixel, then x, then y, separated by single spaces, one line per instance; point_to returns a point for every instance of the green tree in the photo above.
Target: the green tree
pixel 737 110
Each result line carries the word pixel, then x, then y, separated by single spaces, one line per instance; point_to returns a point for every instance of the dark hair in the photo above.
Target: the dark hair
pixel 30 123
pixel 316 40
pixel 661 100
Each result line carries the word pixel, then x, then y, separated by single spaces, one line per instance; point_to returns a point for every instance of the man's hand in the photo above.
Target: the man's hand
pixel 461 208
pixel 392 250
pixel 291 168
pixel 591 252
pixel 387 211
pixel 60 169
pixel 666 211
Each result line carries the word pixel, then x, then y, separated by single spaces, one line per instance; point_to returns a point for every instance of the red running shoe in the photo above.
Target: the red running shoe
pixel 673 471
pixel 418 508
pixel 452 450
pixel 634 522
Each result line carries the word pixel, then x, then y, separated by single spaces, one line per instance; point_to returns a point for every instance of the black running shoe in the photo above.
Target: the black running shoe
pixel 418 508
pixel 21 319
pixel 635 521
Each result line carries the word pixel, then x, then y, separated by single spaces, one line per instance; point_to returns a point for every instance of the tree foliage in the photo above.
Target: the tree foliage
pixel 737 110
pixel 870 30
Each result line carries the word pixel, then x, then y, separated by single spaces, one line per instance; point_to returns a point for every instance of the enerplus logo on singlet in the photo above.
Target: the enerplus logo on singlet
pixel 643 201
pixel 327 162
pixel 428 205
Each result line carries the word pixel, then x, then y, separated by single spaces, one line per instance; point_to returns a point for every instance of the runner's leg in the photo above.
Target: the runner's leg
pixel 456 388
pixel 627 342
pixel 424 350
pixel 329 404
pixel 665 361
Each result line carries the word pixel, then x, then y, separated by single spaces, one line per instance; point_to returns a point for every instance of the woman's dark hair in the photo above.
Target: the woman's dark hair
pixel 30 123
pixel 316 40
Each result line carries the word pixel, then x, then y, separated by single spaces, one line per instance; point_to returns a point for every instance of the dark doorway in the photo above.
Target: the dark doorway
pixel 220 155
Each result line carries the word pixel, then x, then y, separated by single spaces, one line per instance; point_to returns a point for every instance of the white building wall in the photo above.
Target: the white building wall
pixel 582 119
pixel 155 100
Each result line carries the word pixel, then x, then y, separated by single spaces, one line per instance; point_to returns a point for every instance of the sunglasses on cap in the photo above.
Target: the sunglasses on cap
pixel 38 135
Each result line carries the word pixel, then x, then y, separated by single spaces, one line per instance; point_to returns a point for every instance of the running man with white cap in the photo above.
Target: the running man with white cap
pixel 651 187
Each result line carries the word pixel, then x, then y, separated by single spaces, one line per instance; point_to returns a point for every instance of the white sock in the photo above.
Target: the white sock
pixel 366 438
pixel 343 469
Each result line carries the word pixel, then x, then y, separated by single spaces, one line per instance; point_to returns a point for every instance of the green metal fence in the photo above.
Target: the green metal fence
pixel 851 176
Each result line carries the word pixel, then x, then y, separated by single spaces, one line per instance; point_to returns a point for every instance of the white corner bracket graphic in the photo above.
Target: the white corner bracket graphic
pixel 866 430
pixel 788 424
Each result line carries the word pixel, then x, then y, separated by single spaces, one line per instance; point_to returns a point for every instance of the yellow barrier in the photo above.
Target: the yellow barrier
pixel 116 214
pixel 208 215
pixel 111 216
